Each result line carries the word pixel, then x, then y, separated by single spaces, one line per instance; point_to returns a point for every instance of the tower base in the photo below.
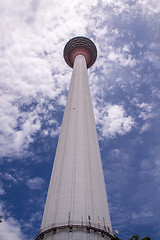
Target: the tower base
pixel 77 231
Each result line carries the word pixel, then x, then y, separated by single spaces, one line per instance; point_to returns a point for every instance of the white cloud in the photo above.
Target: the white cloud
pixel 123 6
pixel 9 177
pixel 122 58
pixel 113 120
pixel 12 140
pixel 2 192
pixel 151 165
pixel 138 216
pixel 35 183
pixel 62 100
pixel 145 128
pixel 143 214
pixel 32 47
pixel 150 6
pixel 33 67
pixel 33 70
pixel 10 227
pixel 146 110
pixel 153 57
pixel 155 158
pixel 35 217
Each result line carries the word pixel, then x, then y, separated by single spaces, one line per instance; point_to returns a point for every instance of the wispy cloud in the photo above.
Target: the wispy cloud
pixel 2 191
pixel 9 177
pixel 10 228
pixel 35 183
pixel 33 67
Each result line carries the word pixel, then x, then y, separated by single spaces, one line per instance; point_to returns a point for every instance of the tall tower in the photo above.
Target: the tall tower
pixel 76 206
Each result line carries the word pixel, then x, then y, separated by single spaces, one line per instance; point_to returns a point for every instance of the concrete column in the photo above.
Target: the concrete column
pixel 77 190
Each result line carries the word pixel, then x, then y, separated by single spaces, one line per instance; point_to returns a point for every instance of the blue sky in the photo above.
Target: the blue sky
pixel 124 84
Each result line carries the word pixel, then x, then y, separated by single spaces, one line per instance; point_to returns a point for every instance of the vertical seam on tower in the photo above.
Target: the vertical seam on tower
pixel 83 62
pixel 74 163
pixel 84 154
pixel 72 182
pixel 89 160
pixel 86 162
pixel 75 147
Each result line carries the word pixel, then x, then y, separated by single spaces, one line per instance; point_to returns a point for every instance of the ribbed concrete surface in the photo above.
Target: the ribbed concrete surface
pixel 77 188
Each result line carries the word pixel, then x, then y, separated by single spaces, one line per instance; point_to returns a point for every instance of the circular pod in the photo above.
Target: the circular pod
pixel 80 46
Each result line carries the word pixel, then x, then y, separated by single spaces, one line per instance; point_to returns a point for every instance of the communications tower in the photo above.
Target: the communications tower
pixel 76 207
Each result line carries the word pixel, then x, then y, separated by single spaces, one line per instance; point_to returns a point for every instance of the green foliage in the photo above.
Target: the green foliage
pixel 134 237
pixel 117 238
pixel 146 238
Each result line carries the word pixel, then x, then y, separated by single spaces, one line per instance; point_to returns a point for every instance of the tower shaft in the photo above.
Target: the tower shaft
pixel 77 194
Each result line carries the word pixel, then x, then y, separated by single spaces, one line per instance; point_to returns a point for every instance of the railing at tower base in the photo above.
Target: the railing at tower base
pixel 72 226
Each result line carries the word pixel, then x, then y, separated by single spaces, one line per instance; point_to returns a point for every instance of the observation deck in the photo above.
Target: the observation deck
pixel 83 46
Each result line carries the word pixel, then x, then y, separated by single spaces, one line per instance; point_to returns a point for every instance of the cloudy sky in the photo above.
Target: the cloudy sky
pixel 125 91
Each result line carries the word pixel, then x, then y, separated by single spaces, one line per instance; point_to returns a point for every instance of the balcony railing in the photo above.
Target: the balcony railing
pixel 70 226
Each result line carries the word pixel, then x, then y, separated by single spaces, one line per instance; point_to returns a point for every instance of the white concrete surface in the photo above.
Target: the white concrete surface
pixel 77 189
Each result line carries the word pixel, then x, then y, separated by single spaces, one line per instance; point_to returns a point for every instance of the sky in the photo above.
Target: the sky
pixel 124 83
